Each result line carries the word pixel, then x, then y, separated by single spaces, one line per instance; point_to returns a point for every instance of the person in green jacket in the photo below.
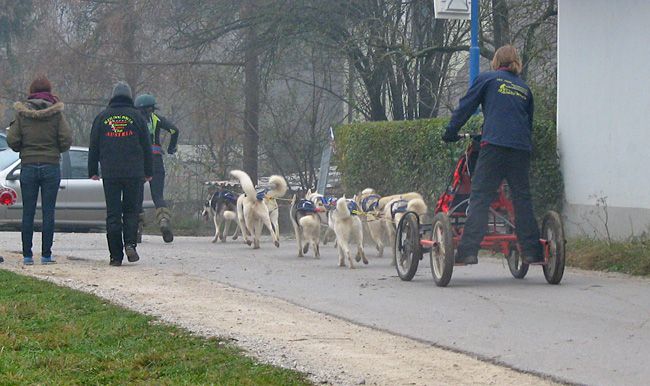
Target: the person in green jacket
pixel 156 123
pixel 40 134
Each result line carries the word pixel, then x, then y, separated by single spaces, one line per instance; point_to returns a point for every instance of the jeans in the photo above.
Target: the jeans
pixel 496 163
pixel 46 179
pixel 157 183
pixel 123 203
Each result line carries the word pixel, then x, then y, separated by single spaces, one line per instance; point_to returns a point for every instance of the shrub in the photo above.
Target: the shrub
pixel 400 156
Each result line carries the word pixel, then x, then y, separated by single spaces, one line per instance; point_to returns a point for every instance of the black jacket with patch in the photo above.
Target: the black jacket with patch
pixel 119 141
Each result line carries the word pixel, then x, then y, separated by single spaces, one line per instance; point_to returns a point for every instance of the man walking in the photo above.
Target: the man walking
pixel 119 142
pixel 155 123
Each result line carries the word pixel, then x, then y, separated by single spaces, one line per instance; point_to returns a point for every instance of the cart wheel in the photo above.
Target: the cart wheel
pixel 442 253
pixel 553 232
pixel 407 250
pixel 518 268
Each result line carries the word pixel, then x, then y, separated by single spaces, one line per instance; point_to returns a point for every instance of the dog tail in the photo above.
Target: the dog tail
pixel 278 186
pixel 342 208
pixel 368 191
pixel 229 215
pixel 418 206
pixel 246 184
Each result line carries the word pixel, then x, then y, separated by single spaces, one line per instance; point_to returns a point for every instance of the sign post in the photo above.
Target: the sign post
pixel 325 164
pixel 463 10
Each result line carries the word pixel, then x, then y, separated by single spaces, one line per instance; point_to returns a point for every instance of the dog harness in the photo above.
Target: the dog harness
pixel 261 194
pixel 370 203
pixel 223 195
pixel 353 208
pixel 306 206
pixel 398 206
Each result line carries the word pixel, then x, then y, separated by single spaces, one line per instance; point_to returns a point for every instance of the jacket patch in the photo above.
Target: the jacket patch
pixel 509 88
pixel 118 124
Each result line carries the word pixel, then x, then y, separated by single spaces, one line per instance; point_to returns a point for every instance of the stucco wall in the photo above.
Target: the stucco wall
pixel 604 113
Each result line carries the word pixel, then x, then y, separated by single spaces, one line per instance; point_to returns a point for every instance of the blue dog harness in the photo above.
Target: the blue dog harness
pixel 398 206
pixel 306 206
pixel 261 194
pixel 370 203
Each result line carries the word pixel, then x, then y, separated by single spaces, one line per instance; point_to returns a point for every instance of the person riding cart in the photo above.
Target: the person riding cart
pixel 507 105
pixel 147 104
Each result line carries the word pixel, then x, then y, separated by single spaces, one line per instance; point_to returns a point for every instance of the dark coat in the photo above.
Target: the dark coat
pixel 119 142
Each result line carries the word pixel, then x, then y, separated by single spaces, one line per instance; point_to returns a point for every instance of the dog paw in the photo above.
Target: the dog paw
pixel 214 240
pixel 357 258
pixel 235 237
pixel 249 242
pixel 277 244
pixel 365 261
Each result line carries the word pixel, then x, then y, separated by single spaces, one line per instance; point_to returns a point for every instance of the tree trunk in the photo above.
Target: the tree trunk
pixel 251 96
pixel 500 23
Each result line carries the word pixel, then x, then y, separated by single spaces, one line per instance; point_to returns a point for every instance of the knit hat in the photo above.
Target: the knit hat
pixel 122 89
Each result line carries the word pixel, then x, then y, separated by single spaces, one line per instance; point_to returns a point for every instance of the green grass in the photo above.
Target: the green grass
pixel 54 335
pixel 632 257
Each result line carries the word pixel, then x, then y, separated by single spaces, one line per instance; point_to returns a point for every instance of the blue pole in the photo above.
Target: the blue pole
pixel 474 51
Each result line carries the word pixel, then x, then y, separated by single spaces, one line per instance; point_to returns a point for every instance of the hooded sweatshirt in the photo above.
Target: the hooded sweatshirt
pixel 40 132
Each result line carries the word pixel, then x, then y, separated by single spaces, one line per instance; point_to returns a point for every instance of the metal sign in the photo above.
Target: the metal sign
pixel 453 9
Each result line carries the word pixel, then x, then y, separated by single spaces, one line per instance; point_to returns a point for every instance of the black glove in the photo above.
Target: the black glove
pixel 448 136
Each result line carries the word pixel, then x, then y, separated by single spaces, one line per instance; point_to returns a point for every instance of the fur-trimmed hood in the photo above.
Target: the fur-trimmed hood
pixel 38 108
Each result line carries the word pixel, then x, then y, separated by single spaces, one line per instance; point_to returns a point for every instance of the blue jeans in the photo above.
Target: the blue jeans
pixel 34 178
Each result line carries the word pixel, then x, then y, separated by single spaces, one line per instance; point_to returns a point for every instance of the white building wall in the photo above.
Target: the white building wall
pixel 604 114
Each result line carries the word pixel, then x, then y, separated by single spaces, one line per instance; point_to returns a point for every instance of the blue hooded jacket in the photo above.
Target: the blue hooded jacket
pixel 507 105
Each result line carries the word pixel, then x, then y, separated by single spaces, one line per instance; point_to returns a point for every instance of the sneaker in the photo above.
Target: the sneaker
pixel 467 260
pixel 28 260
pixel 167 234
pixel 131 253
pixel 115 262
pixel 47 260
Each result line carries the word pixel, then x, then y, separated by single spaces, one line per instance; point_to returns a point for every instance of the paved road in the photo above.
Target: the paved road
pixel 593 328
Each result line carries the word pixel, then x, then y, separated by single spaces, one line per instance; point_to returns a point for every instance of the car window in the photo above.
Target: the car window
pixel 3 142
pixel 78 164
pixel 7 157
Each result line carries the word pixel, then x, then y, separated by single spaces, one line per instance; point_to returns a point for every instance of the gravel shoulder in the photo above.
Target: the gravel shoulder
pixel 329 349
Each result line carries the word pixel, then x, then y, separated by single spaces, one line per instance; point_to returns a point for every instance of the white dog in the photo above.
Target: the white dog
pixel 258 209
pixel 222 207
pixel 395 209
pixel 368 203
pixel 323 207
pixel 349 232
pixel 306 224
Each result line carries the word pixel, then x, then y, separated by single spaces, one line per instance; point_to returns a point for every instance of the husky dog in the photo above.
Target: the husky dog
pixel 395 209
pixel 349 231
pixel 323 205
pixel 222 207
pixel 257 209
pixel 306 224
pixel 368 202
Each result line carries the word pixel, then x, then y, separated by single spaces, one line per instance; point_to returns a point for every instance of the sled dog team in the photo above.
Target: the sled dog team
pixel 345 218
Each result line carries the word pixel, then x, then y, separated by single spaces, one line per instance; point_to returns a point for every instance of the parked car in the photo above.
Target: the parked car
pixel 80 203
pixel 3 142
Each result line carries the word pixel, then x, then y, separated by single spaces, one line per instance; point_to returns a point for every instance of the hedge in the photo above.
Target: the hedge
pixel 400 156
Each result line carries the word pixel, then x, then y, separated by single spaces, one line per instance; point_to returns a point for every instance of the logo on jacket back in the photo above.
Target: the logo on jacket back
pixel 118 124
pixel 509 88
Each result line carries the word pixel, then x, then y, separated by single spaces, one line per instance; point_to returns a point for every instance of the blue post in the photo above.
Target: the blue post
pixel 474 51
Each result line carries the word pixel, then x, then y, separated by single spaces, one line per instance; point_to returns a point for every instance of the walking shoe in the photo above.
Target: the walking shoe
pixel 115 262
pixel 28 260
pixel 131 253
pixel 47 260
pixel 467 260
pixel 166 231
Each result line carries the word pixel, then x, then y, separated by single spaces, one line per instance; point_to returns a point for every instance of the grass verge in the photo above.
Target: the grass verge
pixel 54 335
pixel 632 257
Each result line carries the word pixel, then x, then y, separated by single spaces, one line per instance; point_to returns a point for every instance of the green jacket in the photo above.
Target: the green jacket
pixel 40 132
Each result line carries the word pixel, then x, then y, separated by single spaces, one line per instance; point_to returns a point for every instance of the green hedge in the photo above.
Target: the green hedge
pixel 400 156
